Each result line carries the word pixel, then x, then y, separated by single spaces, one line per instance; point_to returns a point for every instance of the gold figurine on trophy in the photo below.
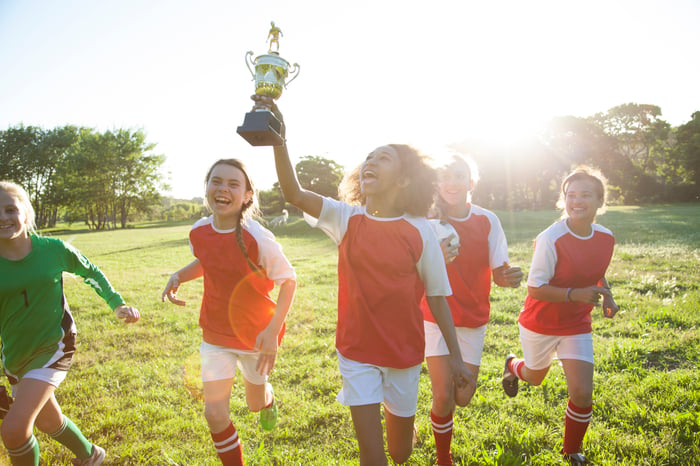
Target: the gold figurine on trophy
pixel 261 127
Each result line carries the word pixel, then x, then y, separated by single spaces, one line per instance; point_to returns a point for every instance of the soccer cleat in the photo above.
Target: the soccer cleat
pixel 510 380
pixel 575 458
pixel 268 416
pixel 95 459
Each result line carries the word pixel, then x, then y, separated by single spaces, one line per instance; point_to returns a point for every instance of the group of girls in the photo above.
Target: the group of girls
pixel 433 302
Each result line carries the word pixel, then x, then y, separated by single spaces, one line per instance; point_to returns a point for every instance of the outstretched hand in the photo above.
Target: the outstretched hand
pixel 128 313
pixel 170 291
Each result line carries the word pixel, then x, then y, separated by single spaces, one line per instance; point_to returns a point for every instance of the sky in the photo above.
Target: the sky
pixel 426 73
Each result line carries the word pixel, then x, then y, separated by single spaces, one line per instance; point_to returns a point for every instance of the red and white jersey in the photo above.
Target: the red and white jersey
pixel 482 248
pixel 384 267
pixel 565 260
pixel 236 305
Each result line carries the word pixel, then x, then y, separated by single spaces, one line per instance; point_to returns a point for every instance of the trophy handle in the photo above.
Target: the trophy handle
pixel 294 70
pixel 249 61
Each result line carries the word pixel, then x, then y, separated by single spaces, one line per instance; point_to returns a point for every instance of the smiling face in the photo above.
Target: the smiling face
pixel 13 218
pixel 226 192
pixel 582 200
pixel 381 171
pixel 455 183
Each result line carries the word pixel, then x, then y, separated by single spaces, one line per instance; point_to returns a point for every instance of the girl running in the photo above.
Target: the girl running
pixel 388 257
pixel 566 280
pixel 481 254
pixel 241 325
pixel 38 332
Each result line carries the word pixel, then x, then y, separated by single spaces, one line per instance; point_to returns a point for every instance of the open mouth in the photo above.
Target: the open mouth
pixel 222 201
pixel 368 175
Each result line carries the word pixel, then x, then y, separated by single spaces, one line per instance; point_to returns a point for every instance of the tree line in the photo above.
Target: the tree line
pixel 109 179
pixel 644 158
pixel 79 174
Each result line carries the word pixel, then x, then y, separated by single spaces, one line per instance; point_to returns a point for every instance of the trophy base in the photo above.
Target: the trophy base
pixel 261 128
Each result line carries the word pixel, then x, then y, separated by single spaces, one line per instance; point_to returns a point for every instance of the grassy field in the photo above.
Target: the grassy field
pixel 135 390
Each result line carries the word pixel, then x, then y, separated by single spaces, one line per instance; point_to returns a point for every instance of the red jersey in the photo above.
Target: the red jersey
pixel 384 267
pixel 236 305
pixel 482 248
pixel 565 260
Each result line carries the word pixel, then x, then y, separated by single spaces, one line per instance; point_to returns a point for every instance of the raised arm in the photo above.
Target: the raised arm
pixel 308 201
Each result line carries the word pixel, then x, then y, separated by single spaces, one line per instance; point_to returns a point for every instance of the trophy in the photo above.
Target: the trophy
pixel 261 127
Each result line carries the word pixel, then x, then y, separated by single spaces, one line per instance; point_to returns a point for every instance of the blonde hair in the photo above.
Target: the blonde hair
pixel 584 172
pixel 249 209
pixel 416 198
pixel 17 191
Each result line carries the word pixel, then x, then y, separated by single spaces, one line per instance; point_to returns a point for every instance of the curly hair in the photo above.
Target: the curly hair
pixel 249 209
pixel 415 198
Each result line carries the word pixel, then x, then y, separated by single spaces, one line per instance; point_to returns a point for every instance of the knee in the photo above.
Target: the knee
pixel 581 396
pixel 400 455
pixel 13 434
pixel 217 417
pixel 443 401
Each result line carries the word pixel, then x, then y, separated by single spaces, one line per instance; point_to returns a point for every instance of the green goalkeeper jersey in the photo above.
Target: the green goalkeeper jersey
pixel 36 326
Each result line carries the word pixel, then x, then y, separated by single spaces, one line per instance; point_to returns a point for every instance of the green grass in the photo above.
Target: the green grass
pixel 135 390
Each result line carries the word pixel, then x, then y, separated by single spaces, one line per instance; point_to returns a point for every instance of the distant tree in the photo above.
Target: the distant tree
pixel 644 139
pixel 136 181
pixel 32 157
pixel 320 175
pixel 271 201
pixel 687 153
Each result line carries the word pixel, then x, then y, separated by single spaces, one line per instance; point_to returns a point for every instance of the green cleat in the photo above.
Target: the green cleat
pixel 268 416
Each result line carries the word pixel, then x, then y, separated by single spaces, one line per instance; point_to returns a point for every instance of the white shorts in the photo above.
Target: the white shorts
pixel 45 374
pixel 539 350
pixel 366 384
pixel 220 362
pixel 471 342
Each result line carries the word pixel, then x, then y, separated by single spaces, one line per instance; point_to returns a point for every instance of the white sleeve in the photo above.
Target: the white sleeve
pixel 498 246
pixel 544 260
pixel 333 219
pixel 270 255
pixel 431 265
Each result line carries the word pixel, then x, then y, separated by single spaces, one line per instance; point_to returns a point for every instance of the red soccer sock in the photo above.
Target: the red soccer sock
pixel 515 366
pixel 442 431
pixel 228 446
pixel 575 425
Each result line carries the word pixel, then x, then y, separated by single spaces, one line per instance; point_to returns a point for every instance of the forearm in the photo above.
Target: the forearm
pixel 190 271
pixel 552 294
pixel 291 189
pixel 285 298
pixel 307 201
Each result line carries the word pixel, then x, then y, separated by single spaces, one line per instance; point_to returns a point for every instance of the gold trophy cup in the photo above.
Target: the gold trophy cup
pixel 260 126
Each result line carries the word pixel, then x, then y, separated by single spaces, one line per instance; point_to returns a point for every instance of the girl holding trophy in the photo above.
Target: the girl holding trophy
pixel 388 257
